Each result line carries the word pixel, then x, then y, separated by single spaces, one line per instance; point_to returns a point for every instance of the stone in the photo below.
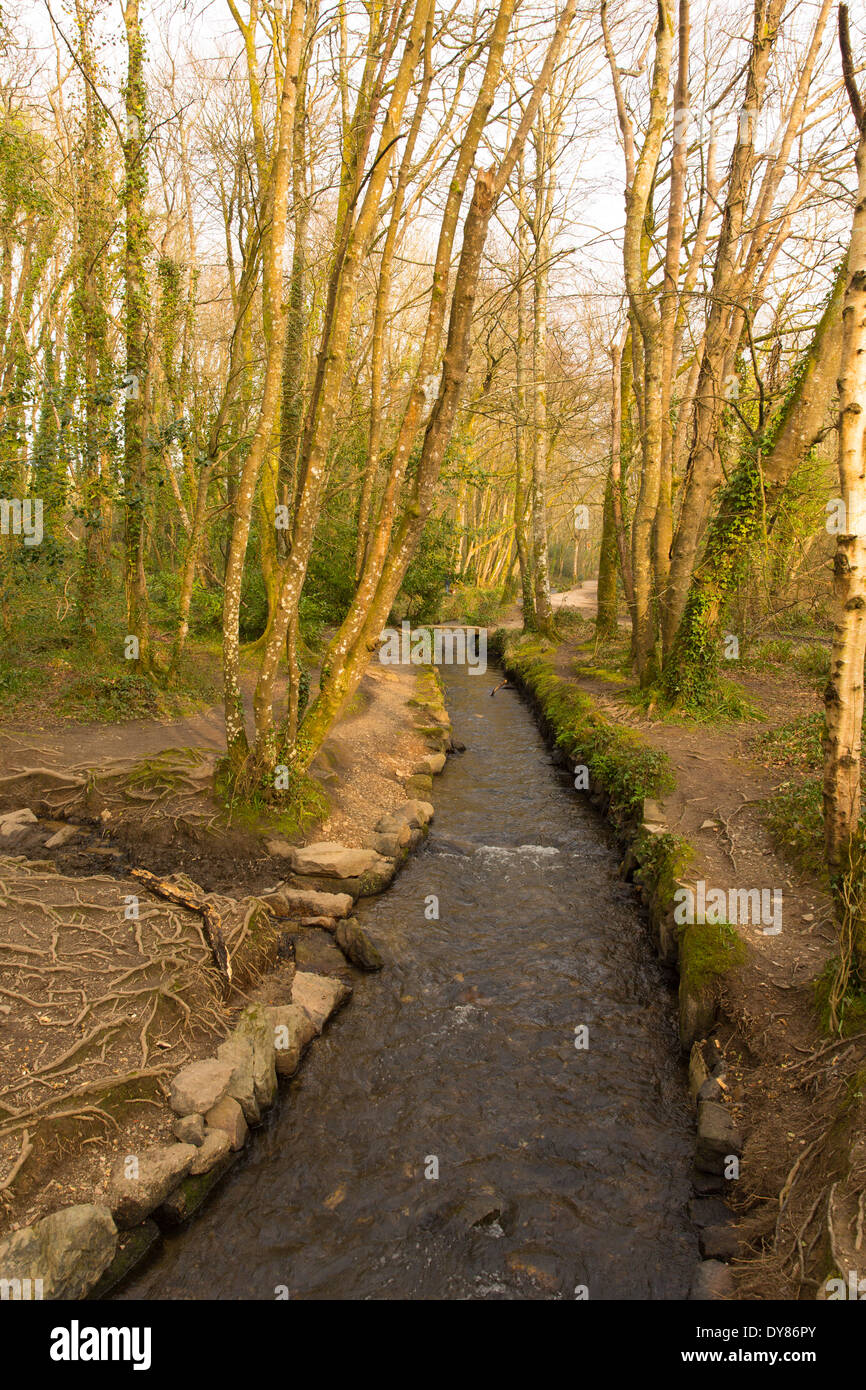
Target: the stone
pixel 487 1211
pixel 324 883
pixel 319 996
pixel 717 1137
pixel 328 924
pixel 712 1280
pixel 140 1182
pixel 698 1070
pixel 708 1211
pixel 306 902
pixel 317 952
pixel 430 765
pixel 698 1012
pixel 228 1116
pixel 239 1053
pixel 391 846
pixel 333 860
pixel 706 1183
pixel 198 1087
pixel 434 736
pixel 711 1090
pixel 415 814
pixel 377 879
pixel 417 786
pixel 14 823
pixel 438 713
pixel 132 1247
pixel 215 1147
pixel 294 1030
pixel 255 1025
pixel 189 1129
pixel 66 1252
pixel 718 1243
pixel 191 1193
pixel 356 945
pixel 63 836
pixel 277 848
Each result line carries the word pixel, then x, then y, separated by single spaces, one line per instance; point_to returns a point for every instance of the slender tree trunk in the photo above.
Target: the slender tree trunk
pixel 521 536
pixel 704 468
pixel 843 698
pixel 541 223
pixel 135 313
pixel 274 254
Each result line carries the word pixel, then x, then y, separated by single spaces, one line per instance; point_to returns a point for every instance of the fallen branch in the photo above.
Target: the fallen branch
pixel 211 925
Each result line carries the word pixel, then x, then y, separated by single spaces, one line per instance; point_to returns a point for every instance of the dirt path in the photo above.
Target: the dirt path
pixel 788 1110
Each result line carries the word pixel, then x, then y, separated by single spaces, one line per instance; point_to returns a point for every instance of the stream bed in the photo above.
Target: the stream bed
pixel 446 1138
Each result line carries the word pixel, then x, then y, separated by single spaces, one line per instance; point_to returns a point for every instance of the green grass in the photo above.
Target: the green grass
pixel 726 703
pixel 773 651
pixel 795 813
pixel 809 659
pixel 47 659
pixel 795 818
pixel 264 810
pixel 796 743
pixel 813 661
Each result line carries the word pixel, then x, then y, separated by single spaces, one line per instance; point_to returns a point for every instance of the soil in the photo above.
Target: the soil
pixel 98 1009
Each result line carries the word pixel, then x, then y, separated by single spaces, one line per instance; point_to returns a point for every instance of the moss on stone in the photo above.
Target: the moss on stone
pixel 708 952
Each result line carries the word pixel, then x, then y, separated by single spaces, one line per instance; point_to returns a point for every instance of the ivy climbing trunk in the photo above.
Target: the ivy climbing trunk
pixel 746 504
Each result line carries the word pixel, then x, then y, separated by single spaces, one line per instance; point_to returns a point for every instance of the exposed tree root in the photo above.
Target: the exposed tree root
pixel 211 925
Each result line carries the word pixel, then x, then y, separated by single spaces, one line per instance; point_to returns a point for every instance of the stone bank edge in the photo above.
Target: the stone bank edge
pixel 625 780
pixel 84 1251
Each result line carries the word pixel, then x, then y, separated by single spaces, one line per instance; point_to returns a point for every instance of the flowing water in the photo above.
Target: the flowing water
pixel 558 1166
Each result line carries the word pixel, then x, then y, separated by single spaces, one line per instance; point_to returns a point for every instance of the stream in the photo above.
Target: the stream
pixel 560 1168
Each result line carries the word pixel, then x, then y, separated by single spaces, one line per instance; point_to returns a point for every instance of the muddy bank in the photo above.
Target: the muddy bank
pixel 109 984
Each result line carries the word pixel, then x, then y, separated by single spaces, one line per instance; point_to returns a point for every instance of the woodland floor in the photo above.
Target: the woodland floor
pixel 97 1010
pixel 790 1084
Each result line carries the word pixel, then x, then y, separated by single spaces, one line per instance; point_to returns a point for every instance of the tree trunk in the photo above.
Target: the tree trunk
pixel 752 494
pixel 135 314
pixel 843 698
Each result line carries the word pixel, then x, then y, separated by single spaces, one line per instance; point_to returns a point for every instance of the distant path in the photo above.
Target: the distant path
pixel 583 599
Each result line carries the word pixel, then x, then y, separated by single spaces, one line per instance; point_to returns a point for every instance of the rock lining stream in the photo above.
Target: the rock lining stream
pixel 558 1168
